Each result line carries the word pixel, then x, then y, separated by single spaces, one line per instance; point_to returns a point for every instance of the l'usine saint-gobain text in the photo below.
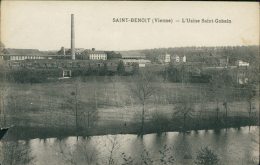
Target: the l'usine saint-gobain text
pixel 189 20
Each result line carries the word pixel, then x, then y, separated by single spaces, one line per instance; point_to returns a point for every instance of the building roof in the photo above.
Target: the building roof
pixel 175 55
pixel 131 54
pixel 79 50
pixel 93 52
pixel 22 51
pixel 165 53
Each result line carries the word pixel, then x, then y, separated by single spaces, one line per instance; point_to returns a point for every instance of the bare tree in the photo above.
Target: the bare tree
pixel 113 143
pixel 251 96
pixel 88 115
pixel 227 85
pixel 86 112
pixel 77 86
pixel 215 89
pixel 84 153
pixel 3 94
pixel 143 86
pixel 16 152
pixel 222 86
pixel 184 107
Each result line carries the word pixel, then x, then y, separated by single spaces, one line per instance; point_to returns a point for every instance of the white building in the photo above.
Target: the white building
pixel 241 63
pixel 177 58
pixel 92 55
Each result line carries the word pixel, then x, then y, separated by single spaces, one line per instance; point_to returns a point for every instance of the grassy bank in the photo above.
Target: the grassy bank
pixel 48 109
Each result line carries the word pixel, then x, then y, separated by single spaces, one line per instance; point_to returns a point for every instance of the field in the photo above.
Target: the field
pixel 53 105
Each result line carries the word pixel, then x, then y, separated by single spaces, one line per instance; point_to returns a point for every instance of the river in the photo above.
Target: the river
pixel 232 146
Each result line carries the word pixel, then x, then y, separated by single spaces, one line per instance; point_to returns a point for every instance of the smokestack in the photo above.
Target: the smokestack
pixel 63 50
pixel 72 38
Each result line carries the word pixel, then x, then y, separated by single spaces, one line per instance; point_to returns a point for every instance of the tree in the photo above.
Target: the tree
pixel 143 86
pixel 77 87
pixel 104 71
pixel 184 74
pixel 227 85
pixel 173 73
pixel 113 143
pixel 89 115
pixel 4 92
pixel 83 152
pixel 136 68
pixel 120 68
pixel 206 157
pixel 215 87
pixel 185 108
pixel 250 98
pixel 89 71
pixel 16 152
pixel 222 87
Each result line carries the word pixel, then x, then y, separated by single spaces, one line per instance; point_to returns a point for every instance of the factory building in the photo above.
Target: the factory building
pixel 67 51
pixel 92 55
pixel 21 54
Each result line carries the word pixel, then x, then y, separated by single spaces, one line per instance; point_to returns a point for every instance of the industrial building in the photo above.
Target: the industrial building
pixel 92 55
pixel 21 54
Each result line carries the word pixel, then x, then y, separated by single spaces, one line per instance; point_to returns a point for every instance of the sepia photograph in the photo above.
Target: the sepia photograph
pixel 129 83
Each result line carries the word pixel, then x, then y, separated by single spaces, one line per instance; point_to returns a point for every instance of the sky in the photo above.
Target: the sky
pixel 46 25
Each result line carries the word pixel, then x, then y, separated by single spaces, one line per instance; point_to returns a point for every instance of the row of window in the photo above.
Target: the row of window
pixel 97 56
pixel 25 57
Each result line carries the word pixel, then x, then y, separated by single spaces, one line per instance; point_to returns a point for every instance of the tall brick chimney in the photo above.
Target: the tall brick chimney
pixel 72 38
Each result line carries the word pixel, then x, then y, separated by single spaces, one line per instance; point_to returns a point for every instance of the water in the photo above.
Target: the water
pixel 233 146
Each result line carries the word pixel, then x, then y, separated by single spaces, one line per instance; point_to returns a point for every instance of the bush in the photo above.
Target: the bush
pixel 159 122
pixel 206 157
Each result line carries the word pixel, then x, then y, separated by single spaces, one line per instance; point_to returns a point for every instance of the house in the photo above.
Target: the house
pixel 177 58
pixel 164 57
pixel 92 55
pixel 240 63
pixel 223 61
pixel 183 58
pixel 241 78
pixel 22 54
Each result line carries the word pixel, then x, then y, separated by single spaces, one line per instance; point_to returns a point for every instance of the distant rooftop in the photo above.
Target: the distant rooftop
pixel 131 54
pixel 21 51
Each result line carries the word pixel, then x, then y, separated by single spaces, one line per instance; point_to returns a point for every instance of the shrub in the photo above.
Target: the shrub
pixel 207 157
pixel 159 122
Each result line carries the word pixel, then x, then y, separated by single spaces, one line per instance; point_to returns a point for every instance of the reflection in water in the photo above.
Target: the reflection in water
pixel 232 146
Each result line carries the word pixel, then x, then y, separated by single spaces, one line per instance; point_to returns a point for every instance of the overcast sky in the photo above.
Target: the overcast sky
pixel 46 25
